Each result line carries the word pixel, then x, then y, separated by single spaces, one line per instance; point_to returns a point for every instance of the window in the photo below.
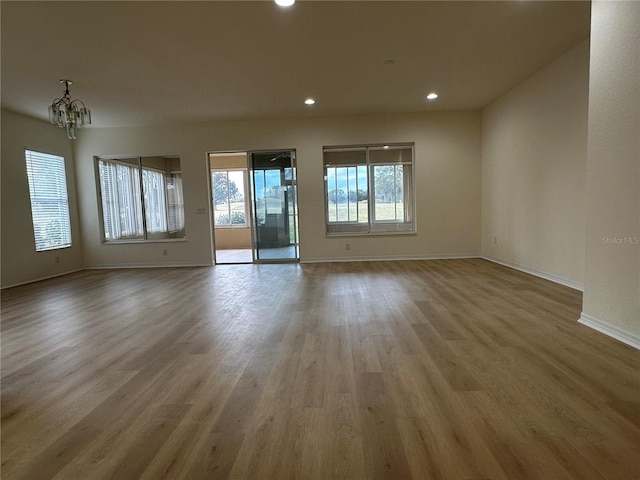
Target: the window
pixel 369 189
pixel 49 200
pixel 142 198
pixel 175 202
pixel 228 198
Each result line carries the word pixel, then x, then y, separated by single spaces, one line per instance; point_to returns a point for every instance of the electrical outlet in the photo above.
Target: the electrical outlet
pixel 57 259
pixel 347 246
pixel 164 252
pixel 495 240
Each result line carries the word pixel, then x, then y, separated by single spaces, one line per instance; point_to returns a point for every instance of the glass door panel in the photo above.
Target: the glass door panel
pixel 274 202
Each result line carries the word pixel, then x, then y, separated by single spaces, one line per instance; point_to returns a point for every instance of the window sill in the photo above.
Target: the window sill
pixel 53 249
pixel 368 234
pixel 150 240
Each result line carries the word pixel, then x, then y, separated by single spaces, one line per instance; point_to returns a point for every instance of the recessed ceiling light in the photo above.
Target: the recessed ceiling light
pixel 309 101
pixel 285 3
pixel 432 96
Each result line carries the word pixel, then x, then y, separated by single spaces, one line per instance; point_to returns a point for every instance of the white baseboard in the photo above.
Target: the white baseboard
pixel 103 267
pixel 610 330
pixel 536 273
pixel 111 266
pixel 448 256
pixel 39 279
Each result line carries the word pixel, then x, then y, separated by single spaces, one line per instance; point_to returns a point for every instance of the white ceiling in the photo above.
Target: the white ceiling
pixel 141 63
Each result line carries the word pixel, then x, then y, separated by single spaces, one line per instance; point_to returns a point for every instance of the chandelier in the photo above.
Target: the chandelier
pixel 65 112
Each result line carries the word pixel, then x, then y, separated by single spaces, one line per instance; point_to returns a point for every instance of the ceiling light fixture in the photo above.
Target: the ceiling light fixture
pixel 285 3
pixel 432 96
pixel 309 101
pixel 65 112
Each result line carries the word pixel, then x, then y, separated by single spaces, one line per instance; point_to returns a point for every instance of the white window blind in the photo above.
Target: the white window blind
pixel 121 203
pixel 140 201
pixel 49 200
pixel 155 201
pixel 175 202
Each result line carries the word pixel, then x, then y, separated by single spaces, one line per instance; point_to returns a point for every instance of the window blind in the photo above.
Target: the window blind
pixel 49 200
pixel 175 203
pixel 139 200
pixel 121 203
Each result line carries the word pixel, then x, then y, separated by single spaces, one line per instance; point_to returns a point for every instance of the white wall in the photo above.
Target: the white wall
pixel 20 261
pixel 612 274
pixel 534 148
pixel 447 182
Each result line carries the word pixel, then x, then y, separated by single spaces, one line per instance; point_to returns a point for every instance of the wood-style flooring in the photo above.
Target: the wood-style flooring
pixel 236 255
pixel 447 369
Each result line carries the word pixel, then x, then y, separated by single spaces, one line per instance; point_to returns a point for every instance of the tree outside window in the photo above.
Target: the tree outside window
pixel 228 198
pixel 369 189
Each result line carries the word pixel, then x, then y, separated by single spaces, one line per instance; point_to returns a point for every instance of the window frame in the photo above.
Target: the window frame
pixel 62 201
pixel 372 226
pixel 146 235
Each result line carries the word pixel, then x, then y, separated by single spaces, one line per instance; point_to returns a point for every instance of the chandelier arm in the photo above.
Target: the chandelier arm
pixel 69 113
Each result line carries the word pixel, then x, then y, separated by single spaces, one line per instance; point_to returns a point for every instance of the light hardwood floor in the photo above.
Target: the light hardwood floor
pixel 452 369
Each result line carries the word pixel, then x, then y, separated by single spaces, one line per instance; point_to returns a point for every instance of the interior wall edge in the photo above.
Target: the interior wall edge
pixel 537 273
pixel 27 281
pixel 610 330
pixel 534 155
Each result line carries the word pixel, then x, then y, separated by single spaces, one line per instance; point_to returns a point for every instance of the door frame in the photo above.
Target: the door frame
pixel 250 204
pixel 294 184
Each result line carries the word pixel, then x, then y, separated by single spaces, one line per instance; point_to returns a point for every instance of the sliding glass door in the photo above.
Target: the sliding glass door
pixel 274 206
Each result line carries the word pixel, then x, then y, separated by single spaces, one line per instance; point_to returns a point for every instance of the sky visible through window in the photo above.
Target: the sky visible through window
pixel 368 189
pixel 265 180
pixel 347 178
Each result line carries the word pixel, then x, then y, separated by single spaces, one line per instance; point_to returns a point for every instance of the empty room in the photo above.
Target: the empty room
pixel 320 240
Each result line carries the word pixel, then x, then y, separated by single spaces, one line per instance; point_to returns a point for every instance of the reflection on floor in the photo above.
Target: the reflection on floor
pixel 277 253
pixel 244 255
pixel 233 256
